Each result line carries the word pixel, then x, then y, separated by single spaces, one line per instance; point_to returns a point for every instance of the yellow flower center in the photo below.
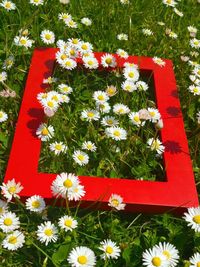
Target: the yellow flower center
pixel 196 219
pixel 48 36
pixel 65 89
pixel 44 96
pixel 12 240
pixel 36 1
pixel 84 47
pixel 68 183
pixel 82 259
pixel 23 41
pixel 117 133
pixel 110 122
pixel 36 204
pixel 58 147
pixel 90 114
pixel 100 97
pixel 167 254
pixel 198 72
pixel 68 223
pixel 90 62
pixel 75 41
pixel 81 157
pixel 71 23
pixel 89 146
pixel 155 144
pixel 195 90
pixel 169 1
pixel 131 74
pixel 8 222
pixel 198 264
pixel 72 52
pixel 109 250
pixel 68 63
pixel 152 113
pixel 63 56
pixel 115 202
pixel 48 232
pixel 121 110
pixel 12 189
pixel 45 131
pixel 1 115
pixel 8 5
pixel 55 98
pixel 156 261
pixel 50 104
pixel 136 118
pixel 110 91
pixel 1 210
pixel 196 42
pixel 128 87
pixel 108 60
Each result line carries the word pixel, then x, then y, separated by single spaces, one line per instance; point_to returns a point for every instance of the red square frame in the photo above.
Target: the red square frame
pixel 177 192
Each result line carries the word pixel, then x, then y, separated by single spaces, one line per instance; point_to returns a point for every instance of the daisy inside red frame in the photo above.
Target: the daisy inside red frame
pixel 177 192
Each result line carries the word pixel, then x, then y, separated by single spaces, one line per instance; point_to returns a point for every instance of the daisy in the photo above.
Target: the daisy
pixel 169 2
pixel 8 63
pixel 48 37
pixel 71 23
pixel 3 76
pixel 8 5
pixel 116 133
pixel 122 53
pixel 120 109
pixel 195 260
pixel 63 183
pixel 196 72
pixel 69 64
pixel 192 30
pixel 64 1
pixel 90 115
pixel 47 232
pixel 194 89
pixel 154 114
pixel 100 97
pixel 111 90
pixel 11 189
pixel 110 249
pixel 64 16
pixel 80 157
pixel 129 86
pixel 49 103
pixel 103 107
pixel 3 116
pixel 3 207
pixel 14 240
pixel 193 218
pixel 64 98
pixel 178 12
pixel 9 222
pixel 45 132
pixel 88 145
pixel 156 144
pixel 74 42
pixel 58 147
pixel 76 193
pixel 86 21
pixel 124 2
pixel 144 114
pixel 61 56
pixel 131 73
pixel 85 47
pixel 108 60
pixel 142 86
pixel 171 34
pixel 37 2
pixel 116 201
pixel 90 62
pixel 71 52
pixel 65 89
pixel 130 65
pixel 154 258
pixel 135 119
pixel 122 37
pixel 195 43
pixel 50 80
pixel 159 125
pixel 170 253
pixel 159 61
pixel 81 256
pixel 62 45
pixel 67 223
pixel 23 41
pixel 147 32
pixel 109 121
pixel 35 204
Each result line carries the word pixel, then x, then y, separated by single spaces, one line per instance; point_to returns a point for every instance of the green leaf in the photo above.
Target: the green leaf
pixel 126 255
pixel 61 254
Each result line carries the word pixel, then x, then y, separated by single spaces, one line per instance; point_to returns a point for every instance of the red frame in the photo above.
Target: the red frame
pixel 177 192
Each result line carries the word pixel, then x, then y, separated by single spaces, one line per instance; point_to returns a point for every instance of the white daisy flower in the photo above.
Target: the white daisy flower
pixel 81 257
pixel 124 2
pixel 80 157
pixel 54 96
pixel 45 132
pixel 156 144
pixel 169 2
pixel 37 2
pixel 154 258
pixel 170 253
pixel 8 5
pixel 90 62
pixel 35 203
pixel 100 97
pixel 159 61
pixel 171 34
pixel 64 98
pixel 11 189
pixel 76 193
pixel 109 121
pixel 47 232
pixel 122 37
pixel 129 86
pixel 142 86
pixel 9 222
pixel 49 103
pixel 110 249
pixel 71 52
pixel 64 1
pixel 116 201
pixel 61 56
pixel 85 47
pixel 69 64
pixel 3 76
pixel 111 90
pixel 116 133
pixel 178 12
pixel 195 43
pixel 122 53
pixel 120 109
pixel 131 73
pixel 65 89
pixel 3 207
pixel 194 89
pixel 62 45
pixel 86 21
pixel 23 41
pixel 63 183
pixel 108 60
pixel 58 147
pixel 194 54
pixel 48 37
pixel 90 115
pixel 154 114
pixel 196 72
pixel 88 145
pixel 135 119
pixel 104 107
pixel 192 30
pixel 147 32
pixel 193 218
pixel 67 223
pixel 130 65
pixel 71 23
pixel 64 16
pixel 195 260
pixel 14 241
pixel 74 42
pixel 50 80
pixel 144 114
pixel 3 116
pixel 8 63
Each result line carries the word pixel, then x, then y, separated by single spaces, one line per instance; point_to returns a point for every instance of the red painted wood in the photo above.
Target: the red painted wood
pixel 177 192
